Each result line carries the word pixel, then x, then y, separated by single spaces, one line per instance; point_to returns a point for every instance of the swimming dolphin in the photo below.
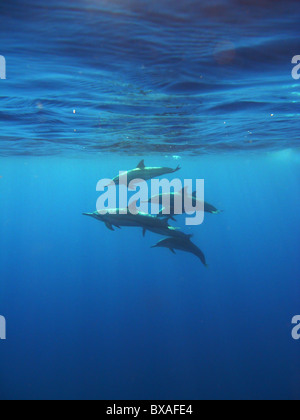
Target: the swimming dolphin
pixel 116 218
pixel 182 244
pixel 145 173
pixel 161 198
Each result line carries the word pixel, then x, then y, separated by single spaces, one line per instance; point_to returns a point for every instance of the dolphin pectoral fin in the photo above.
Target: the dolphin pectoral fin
pixel 144 232
pixel 173 218
pixel 172 250
pixel 141 165
pixel 119 227
pixel 109 226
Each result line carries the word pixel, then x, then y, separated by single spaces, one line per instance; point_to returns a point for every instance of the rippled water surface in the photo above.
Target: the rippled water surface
pixel 96 314
pixel 135 75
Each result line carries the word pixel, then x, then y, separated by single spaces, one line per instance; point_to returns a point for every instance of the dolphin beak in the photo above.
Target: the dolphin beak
pixel 154 246
pixel 87 214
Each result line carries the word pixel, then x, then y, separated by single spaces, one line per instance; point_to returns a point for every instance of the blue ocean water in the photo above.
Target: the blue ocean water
pixel 93 87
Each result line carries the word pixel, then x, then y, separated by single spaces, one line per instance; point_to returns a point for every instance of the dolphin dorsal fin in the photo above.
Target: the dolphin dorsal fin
pixel 141 165
pixel 165 220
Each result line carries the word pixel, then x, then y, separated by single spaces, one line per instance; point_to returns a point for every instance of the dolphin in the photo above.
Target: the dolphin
pixel 182 244
pixel 161 198
pixel 145 173
pixel 119 218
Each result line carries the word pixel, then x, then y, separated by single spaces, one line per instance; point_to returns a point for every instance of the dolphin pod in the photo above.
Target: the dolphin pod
pixel 175 238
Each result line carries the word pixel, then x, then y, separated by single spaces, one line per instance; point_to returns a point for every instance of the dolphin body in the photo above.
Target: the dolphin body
pixel 159 199
pixel 145 173
pixel 182 244
pixel 115 218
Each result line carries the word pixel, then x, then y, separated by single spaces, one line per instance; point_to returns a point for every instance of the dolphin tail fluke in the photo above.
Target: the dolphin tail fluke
pixel 178 168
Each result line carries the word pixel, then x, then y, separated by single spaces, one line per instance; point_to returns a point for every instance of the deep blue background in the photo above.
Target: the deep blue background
pixel 98 314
